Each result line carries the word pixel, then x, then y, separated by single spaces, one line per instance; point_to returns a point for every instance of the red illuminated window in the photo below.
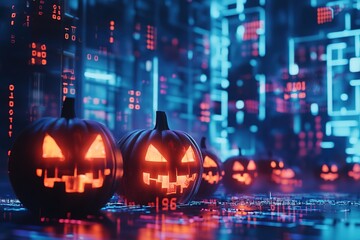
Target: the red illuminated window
pixel 70 33
pixel 163 85
pixel 134 99
pixel 56 13
pixel 38 54
pixel 13 15
pixel 295 90
pixel 12 23
pixel 252 106
pixel 112 28
pixel 68 77
pixel 252 30
pixel 150 37
pixel 205 112
pixel 324 15
pixel 41 7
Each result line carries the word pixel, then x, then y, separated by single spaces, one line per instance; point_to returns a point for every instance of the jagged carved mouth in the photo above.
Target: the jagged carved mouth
pixel 354 175
pixel 182 181
pixel 329 176
pixel 210 178
pixel 243 178
pixel 285 177
pixel 74 183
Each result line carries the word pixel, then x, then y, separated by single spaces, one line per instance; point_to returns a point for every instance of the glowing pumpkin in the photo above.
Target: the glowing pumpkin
pixel 159 163
pixel 240 173
pixel 268 166
pixel 329 172
pixel 286 176
pixel 60 165
pixel 352 172
pixel 212 171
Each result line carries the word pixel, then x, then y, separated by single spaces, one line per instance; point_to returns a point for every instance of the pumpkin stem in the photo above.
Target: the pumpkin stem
pixel 203 142
pixel 240 151
pixel 68 108
pixel 161 121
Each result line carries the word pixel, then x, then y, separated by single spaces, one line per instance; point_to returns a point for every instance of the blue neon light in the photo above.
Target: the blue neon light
pixel 155 86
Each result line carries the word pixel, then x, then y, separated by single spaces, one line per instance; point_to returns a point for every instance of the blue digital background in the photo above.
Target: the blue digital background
pixel 266 76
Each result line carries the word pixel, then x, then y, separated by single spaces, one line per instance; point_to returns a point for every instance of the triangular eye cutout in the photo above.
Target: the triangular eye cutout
pixel 238 167
pixel 251 166
pixel 208 162
pixel 96 149
pixel 153 155
pixel 189 156
pixel 51 149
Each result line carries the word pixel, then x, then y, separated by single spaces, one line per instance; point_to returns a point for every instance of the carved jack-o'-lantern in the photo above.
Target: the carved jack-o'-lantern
pixel 212 171
pixel 271 172
pixel 160 163
pixel 267 166
pixel 286 176
pixel 329 172
pixel 240 173
pixel 65 164
pixel 353 171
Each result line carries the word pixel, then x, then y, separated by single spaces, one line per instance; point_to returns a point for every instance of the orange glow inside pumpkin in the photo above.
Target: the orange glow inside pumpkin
pixel 189 156
pixel 97 149
pixel 210 177
pixel 182 181
pixel 355 172
pixel 209 162
pixel 284 173
pixel 73 183
pixel 285 177
pixel 51 149
pixel 251 166
pixel 245 177
pixel 273 164
pixel 328 175
pixel 238 167
pixel 153 155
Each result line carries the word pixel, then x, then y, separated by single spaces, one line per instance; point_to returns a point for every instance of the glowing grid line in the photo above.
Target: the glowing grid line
pixel 338 61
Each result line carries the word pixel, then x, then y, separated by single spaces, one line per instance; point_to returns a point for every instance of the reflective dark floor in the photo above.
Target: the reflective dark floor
pixel 271 215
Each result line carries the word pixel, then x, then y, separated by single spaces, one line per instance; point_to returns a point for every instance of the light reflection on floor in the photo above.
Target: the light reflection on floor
pixel 251 216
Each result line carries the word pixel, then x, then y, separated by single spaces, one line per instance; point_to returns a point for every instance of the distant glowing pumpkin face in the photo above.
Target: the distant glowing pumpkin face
pixel 244 175
pixel 286 176
pixel 267 167
pixel 354 172
pixel 212 171
pixel 329 172
pixel 240 173
pixel 351 172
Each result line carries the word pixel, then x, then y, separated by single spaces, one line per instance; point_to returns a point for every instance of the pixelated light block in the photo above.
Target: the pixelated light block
pixel 354 64
pixel 324 15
